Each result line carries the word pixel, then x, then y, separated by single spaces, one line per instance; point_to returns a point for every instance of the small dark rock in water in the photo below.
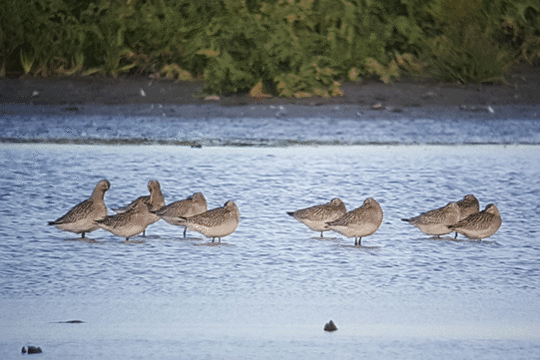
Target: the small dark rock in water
pixel 330 326
pixel 32 350
pixel 69 322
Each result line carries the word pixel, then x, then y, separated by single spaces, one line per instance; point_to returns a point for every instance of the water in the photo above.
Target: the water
pixel 269 290
pixel 269 125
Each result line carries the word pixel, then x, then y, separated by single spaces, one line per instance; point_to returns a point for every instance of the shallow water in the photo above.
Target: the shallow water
pixel 269 125
pixel 270 292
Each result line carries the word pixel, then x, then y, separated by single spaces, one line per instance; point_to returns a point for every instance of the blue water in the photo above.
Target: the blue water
pixel 269 290
pixel 270 125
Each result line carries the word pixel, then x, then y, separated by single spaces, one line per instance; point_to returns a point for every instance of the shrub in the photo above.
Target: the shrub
pixel 290 47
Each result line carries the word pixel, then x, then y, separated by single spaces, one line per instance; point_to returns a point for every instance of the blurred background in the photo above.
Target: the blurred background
pixel 291 48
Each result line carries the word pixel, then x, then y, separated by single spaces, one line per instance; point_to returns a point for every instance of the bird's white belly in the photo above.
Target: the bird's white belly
pixel 84 225
pixel 215 231
pixel 356 230
pixel 128 230
pixel 434 229
pixel 315 225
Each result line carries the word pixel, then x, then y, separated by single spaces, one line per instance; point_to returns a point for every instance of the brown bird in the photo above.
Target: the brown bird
pixel 480 225
pixel 360 222
pixel 154 202
pixel 467 206
pixel 317 216
pixel 128 223
pixel 81 218
pixel 215 223
pixel 193 205
pixel 436 222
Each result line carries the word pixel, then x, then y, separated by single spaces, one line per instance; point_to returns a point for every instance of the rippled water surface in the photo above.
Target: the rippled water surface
pixel 271 125
pixel 270 288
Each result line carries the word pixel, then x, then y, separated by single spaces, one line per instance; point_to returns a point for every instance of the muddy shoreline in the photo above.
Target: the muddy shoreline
pixel 522 87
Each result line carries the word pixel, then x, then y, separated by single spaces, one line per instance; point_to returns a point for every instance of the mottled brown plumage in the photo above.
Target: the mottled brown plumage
pixel 360 222
pixel 128 223
pixel 193 205
pixel 81 218
pixel 480 225
pixel 154 202
pixel 467 206
pixel 317 216
pixel 436 222
pixel 215 223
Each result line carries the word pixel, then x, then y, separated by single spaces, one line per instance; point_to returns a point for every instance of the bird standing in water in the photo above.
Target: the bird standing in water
pixel 81 218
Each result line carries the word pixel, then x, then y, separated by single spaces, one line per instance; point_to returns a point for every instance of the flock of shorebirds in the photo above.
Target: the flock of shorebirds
pixel 133 219
pixel 463 216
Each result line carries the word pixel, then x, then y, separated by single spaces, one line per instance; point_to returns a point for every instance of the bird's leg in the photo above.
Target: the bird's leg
pixel 185 229
pixel 219 240
pixel 360 241
pixel 213 239
pixel 83 235
pixel 355 241
pixel 144 232
pixel 455 237
pixel 322 234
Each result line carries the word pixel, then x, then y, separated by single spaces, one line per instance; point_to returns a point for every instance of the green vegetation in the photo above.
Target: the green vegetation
pixel 293 48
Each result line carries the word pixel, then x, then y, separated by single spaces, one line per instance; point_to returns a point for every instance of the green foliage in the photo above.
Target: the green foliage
pixel 27 62
pixel 11 36
pixel 478 40
pixel 316 78
pixel 475 58
pixel 385 73
pixel 466 49
pixel 295 48
pixel 174 71
pixel 518 23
